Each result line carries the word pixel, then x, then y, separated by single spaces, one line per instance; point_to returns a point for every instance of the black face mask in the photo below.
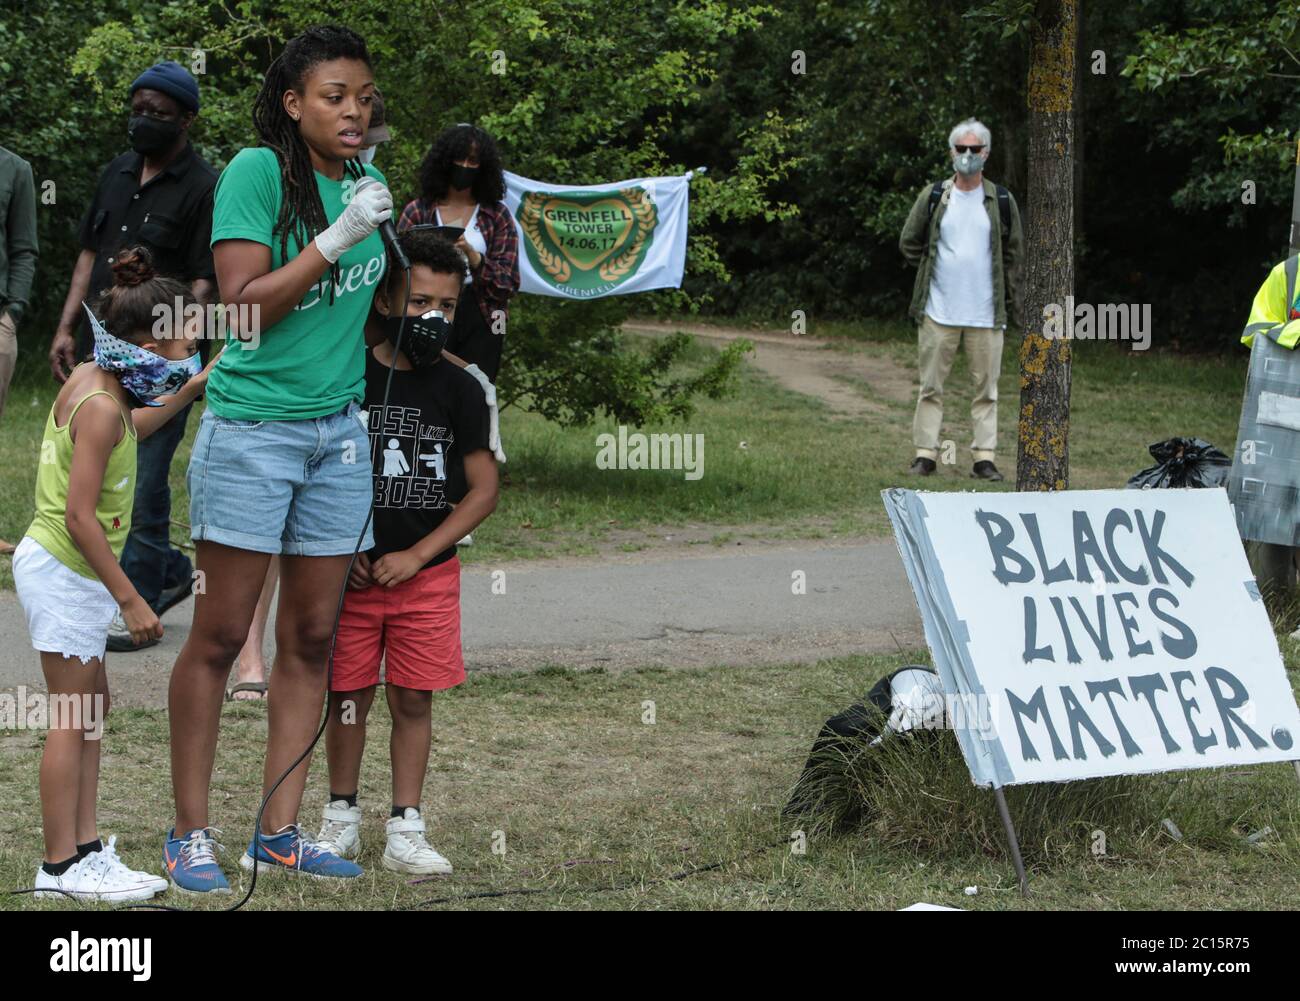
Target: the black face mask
pixel 463 177
pixel 423 337
pixel 149 136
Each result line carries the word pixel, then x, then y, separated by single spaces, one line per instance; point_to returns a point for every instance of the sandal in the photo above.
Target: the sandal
pixel 247 686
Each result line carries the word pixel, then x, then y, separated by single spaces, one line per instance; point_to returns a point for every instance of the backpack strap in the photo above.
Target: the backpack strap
pixel 1004 208
pixel 936 194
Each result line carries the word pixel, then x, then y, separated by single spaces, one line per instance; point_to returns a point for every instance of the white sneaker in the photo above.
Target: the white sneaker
pixel 340 830
pixel 63 885
pixel 108 856
pixel 407 851
pixel 467 541
pixel 92 879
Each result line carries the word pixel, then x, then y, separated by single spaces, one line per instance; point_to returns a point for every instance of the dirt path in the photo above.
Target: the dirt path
pixel 810 365
pixel 720 607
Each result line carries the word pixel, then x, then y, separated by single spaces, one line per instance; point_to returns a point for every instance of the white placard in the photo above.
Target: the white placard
pixel 1089 633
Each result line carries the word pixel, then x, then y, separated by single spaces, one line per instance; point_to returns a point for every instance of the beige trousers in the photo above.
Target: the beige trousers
pixel 937 345
pixel 8 355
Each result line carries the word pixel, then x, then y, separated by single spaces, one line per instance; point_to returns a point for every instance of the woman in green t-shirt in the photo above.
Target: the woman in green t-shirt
pixel 281 460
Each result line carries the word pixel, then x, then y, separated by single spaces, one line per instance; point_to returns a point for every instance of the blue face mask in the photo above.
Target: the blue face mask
pixel 143 374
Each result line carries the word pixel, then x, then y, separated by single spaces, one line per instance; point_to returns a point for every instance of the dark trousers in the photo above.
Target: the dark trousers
pixel 471 339
pixel 150 561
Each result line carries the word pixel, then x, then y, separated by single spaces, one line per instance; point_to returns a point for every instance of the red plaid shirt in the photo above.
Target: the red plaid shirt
pixel 496 278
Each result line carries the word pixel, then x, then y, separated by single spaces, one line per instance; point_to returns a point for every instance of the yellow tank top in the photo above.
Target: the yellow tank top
pixel 116 496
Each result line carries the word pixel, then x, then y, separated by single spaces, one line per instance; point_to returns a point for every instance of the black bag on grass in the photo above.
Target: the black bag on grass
pixel 1183 462
pixel 907 702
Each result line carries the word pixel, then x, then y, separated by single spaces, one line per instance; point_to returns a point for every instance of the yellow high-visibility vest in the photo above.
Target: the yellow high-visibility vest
pixel 1274 313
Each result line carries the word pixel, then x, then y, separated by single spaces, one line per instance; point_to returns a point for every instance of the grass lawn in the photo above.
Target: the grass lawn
pixel 776 463
pixel 597 809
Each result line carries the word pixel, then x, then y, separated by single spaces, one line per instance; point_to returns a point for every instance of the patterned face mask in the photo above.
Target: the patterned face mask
pixel 143 374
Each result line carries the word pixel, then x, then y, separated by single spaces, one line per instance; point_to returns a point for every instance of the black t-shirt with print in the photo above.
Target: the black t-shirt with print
pixel 435 417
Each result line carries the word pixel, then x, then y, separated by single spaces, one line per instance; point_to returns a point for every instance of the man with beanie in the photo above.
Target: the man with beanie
pixel 964 236
pixel 158 195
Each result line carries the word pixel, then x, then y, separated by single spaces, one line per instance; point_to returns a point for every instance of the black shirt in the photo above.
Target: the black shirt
pixel 435 417
pixel 171 216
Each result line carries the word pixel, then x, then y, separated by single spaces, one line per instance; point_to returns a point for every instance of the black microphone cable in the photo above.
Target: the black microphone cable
pixel 338 614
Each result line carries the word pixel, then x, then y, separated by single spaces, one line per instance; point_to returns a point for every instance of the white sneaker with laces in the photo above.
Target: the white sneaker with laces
pixel 92 879
pixel 115 864
pixel 407 851
pixel 117 628
pixel 63 885
pixel 340 830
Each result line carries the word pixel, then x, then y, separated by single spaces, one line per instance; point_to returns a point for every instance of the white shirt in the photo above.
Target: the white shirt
pixel 961 281
pixel 473 235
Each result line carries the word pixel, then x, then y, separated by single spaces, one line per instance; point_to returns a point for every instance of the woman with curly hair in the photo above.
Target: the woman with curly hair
pixel 462 184
pixel 296 247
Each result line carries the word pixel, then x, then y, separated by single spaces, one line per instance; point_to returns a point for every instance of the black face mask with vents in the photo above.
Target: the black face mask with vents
pixel 423 337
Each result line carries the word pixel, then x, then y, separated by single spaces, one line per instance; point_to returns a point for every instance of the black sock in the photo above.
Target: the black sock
pixel 89 848
pixel 350 798
pixel 400 811
pixel 59 868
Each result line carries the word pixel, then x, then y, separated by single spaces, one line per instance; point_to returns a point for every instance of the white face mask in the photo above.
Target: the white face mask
pixel 367 155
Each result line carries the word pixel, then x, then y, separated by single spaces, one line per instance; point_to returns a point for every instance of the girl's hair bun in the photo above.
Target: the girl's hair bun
pixel 133 266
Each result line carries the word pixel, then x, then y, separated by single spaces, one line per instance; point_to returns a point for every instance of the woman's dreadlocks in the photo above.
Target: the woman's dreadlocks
pixel 302 214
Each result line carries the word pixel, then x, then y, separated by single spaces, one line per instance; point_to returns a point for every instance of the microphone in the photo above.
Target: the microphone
pixel 387 230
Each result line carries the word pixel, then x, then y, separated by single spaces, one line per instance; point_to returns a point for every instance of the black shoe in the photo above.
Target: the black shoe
pixel 173 596
pixel 922 466
pixel 985 470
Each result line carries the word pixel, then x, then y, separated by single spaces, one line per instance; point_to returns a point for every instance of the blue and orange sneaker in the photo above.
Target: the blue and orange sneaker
pixel 191 861
pixel 288 850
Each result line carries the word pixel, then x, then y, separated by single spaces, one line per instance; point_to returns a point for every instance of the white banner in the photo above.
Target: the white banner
pixel 582 242
pixel 1100 632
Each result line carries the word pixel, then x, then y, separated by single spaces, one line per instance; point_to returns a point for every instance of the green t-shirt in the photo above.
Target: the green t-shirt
pixel 312 362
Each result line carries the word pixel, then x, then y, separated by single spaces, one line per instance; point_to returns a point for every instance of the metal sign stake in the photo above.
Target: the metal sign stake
pixel 1014 842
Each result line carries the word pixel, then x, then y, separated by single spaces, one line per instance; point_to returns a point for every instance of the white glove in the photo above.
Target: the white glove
pixel 370 206
pixel 494 416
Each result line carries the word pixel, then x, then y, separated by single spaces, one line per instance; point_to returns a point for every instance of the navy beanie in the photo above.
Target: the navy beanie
pixel 172 79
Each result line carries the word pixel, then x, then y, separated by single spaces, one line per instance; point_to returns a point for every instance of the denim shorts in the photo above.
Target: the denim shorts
pixel 298 488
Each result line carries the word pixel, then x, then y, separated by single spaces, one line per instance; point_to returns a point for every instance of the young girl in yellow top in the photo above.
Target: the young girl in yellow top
pixel 66 568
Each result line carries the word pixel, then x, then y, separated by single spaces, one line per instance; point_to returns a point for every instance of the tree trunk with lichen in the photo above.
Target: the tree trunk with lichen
pixel 1043 452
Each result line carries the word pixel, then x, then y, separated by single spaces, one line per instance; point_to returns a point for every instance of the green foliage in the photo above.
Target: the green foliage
pixel 884 81
pixel 1239 62
pixel 576 92
pixel 810 174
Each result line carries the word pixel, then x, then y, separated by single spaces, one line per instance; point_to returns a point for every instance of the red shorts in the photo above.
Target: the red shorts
pixel 414 628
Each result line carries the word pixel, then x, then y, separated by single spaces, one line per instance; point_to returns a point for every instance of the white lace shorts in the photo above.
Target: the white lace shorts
pixel 66 612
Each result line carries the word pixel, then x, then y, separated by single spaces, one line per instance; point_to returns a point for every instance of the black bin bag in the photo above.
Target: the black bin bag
pixel 906 704
pixel 1183 462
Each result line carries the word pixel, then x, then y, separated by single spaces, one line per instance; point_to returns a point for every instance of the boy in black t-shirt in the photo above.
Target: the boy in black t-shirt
pixel 403 600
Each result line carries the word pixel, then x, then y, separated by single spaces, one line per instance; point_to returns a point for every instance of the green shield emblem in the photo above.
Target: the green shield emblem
pixel 587 243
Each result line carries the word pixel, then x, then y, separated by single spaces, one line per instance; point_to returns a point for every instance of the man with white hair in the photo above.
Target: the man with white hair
pixel 964 235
